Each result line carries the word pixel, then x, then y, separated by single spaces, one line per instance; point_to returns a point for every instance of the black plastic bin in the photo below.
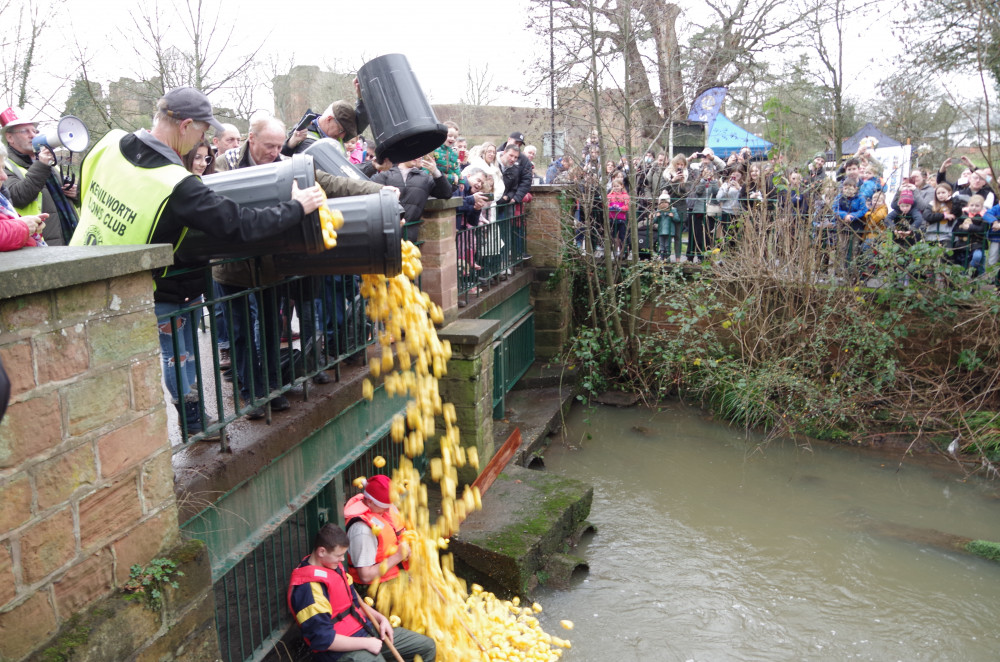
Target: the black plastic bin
pixel 259 187
pixel 328 158
pixel 402 121
pixel 370 242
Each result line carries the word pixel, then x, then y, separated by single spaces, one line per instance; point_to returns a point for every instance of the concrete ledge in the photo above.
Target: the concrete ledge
pixel 469 333
pixel 32 270
pixel 528 518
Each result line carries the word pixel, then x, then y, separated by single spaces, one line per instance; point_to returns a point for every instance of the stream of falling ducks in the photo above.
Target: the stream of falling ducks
pixel 432 600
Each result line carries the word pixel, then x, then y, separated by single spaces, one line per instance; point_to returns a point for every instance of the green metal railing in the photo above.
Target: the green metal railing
pixel 332 328
pixel 513 345
pixel 489 251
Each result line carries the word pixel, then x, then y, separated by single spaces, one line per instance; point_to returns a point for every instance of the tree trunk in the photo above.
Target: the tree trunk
pixel 663 19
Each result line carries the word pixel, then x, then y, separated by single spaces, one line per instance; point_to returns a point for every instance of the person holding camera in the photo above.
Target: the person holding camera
pixel 35 186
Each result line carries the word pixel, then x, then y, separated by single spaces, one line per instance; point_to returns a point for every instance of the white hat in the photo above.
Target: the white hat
pixel 665 196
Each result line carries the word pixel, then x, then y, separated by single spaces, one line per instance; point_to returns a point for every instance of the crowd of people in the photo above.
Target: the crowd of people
pixel 704 199
pixel 146 187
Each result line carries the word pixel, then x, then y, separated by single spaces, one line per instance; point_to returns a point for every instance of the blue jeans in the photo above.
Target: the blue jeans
pixel 179 369
pixel 221 319
pixel 246 348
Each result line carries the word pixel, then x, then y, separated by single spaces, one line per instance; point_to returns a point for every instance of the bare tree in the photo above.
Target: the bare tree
pixel 25 24
pixel 479 87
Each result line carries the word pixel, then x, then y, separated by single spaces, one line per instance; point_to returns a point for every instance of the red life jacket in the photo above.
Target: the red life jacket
pixel 346 617
pixel 389 526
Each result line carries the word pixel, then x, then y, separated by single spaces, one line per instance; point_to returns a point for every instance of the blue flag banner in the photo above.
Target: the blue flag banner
pixel 706 107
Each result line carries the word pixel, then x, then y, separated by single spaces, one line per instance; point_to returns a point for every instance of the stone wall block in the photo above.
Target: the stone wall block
pixel 146 376
pixel 93 402
pixel 121 336
pixel 158 480
pixel 109 512
pixel 30 427
pixel 8 585
pixel 47 546
pixel 87 300
pixel 62 354
pixel 86 582
pixel 26 625
pixel 15 502
pixel 23 313
pixel 18 365
pixel 59 478
pixel 131 292
pixel 130 445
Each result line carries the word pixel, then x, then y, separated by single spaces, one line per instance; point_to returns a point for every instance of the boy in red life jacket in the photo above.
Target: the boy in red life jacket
pixel 375 529
pixel 329 612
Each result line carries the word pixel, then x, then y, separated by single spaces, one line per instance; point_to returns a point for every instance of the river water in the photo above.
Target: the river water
pixel 708 548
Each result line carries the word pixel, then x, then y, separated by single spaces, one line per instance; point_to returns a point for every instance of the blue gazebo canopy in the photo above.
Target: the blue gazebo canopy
pixel 728 137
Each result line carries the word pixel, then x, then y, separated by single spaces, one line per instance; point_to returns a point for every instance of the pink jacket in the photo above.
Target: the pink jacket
pixel 13 234
pixel 618 202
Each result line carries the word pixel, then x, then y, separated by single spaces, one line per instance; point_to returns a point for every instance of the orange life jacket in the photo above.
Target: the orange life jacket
pixel 388 528
pixel 346 617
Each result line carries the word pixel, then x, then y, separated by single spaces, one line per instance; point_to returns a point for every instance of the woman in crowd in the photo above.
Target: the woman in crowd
pixel 758 191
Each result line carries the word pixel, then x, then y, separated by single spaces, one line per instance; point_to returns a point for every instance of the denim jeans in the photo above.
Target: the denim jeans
pixel 179 369
pixel 246 347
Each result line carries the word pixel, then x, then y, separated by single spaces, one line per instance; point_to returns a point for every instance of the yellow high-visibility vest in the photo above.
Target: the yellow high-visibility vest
pixel 35 206
pixel 121 203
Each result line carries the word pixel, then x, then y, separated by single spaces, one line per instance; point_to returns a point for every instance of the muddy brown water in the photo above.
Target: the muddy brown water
pixel 709 548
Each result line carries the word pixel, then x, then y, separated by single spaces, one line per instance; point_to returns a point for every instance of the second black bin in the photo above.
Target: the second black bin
pixel 370 242
pixel 402 121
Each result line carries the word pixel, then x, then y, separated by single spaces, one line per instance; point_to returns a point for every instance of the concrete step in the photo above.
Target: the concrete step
pixel 524 534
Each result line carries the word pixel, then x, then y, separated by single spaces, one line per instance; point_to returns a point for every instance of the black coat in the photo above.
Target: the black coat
pixel 414 192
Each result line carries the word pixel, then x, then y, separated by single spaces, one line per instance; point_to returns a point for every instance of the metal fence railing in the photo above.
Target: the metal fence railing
pixel 513 354
pixel 488 252
pixel 277 336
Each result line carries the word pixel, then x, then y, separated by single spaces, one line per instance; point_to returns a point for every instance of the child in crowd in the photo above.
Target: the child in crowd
pixel 699 224
pixel 850 206
pixel 966 234
pixel 875 219
pixel 669 226
pixel 940 218
pixel 907 222
pixel 618 203
pixel 991 220
pixel 870 182
pixel 446 157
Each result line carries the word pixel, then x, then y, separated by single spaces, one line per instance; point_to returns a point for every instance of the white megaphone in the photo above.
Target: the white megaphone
pixel 70 133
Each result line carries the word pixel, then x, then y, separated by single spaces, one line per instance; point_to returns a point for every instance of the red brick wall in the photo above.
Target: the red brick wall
pixel 85 476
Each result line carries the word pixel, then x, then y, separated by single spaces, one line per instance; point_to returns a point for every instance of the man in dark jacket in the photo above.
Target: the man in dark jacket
pixel 264 145
pixel 34 186
pixel 136 190
pixel 522 186
pixel 415 185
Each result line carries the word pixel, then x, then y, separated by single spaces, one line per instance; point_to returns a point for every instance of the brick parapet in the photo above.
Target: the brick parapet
pixel 85 473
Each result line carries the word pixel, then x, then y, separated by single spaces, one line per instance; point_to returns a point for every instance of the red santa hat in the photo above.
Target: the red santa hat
pixel 377 489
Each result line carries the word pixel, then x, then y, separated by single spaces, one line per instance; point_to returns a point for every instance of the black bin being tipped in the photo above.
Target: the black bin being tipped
pixel 402 121
pixel 258 187
pixel 370 241
pixel 328 158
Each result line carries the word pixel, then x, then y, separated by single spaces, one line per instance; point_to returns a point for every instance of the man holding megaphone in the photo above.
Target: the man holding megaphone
pixel 34 185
